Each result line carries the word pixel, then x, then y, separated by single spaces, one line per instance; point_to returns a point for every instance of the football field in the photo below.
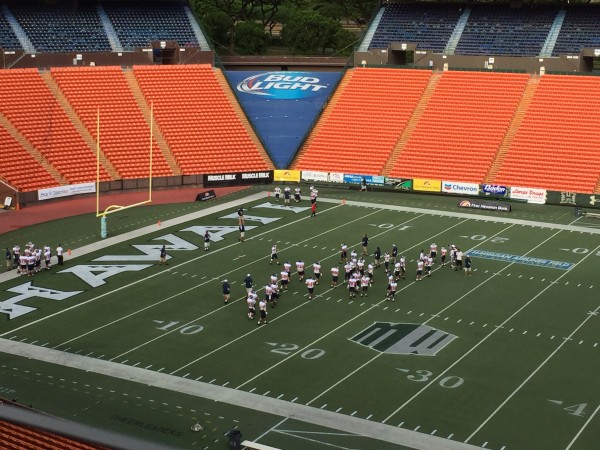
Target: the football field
pixel 504 359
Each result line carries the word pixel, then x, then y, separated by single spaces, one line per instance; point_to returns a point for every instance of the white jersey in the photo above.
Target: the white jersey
pixel 310 283
pixel 365 281
pixel 353 254
pixel 429 261
pixel 360 264
pixel 262 305
pixel 335 271
pixel 403 262
pixel 370 268
pixel 316 268
pixel 273 250
pixel 397 266
pixel 300 266
pixel 287 266
pixel 433 247
pixel 284 276
pixel 268 290
pixel 251 301
pixel 277 191
pixel 274 279
pixel 420 265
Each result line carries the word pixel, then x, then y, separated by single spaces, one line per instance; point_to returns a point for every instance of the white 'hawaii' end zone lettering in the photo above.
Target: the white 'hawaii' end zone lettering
pixel 25 291
pixel 294 209
pixel 151 252
pixel 216 231
pixel 94 275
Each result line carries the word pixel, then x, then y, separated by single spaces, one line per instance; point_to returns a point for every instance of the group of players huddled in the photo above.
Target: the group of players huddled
pixel 28 261
pixel 358 274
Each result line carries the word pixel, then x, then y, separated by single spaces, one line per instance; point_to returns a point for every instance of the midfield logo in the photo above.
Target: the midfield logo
pixel 403 338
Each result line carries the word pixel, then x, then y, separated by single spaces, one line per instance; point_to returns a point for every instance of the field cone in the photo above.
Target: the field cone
pixel 158 224
pixel 69 252
pixel 343 201
pixel 268 193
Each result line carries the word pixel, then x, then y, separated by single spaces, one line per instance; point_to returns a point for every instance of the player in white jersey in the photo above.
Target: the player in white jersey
pixel 274 254
pixel 371 271
pixel 353 254
pixel 459 258
pixel 297 195
pixel 444 251
pixel 360 265
pixel 262 306
pixel 38 260
pixel 353 263
pixel 251 301
pixel 285 279
pixel 274 293
pixel 274 279
pixel 422 256
pixel 47 257
pixel 348 270
pixel 277 193
pixel 335 273
pixel 391 292
pixel 310 285
pixel 269 294
pixel 352 283
pixel 433 251
pixel 300 269
pixel 419 270
pixel 397 270
pixel 403 266
pixel 365 282
pixel 344 254
pixel 317 271
pixel 287 266
pixel 16 255
pixel 428 263
pixel 206 241
pixel 386 261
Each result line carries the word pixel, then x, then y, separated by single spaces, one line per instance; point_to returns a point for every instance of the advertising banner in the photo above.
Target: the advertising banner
pixel 66 191
pixel 420 184
pixel 404 184
pixel 532 195
pixel 573 199
pixel 282 106
pixel 485 204
pixel 308 175
pixel 287 175
pixel 494 189
pixel 336 177
pixel 206 195
pixel 237 178
pixel 373 180
pixel 453 187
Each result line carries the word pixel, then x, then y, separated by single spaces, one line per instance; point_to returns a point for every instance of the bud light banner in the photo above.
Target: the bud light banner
pixel 282 106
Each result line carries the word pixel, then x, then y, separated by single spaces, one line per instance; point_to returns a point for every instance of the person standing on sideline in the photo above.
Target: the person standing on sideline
pixel 59 254
pixel 313 210
pixel 277 193
pixel 47 256
pixel 365 245
pixel 226 291
pixel 310 285
pixel 248 283
pixel 286 196
pixel 9 262
pixel 206 241
pixel 363 185
pixel 262 310
pixel 394 254
pixel 459 257
pixel 467 263
pixel 163 256
pixel 16 255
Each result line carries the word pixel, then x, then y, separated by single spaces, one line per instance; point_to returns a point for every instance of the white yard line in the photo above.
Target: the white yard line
pixel 485 338
pixel 532 374
pixel 587 422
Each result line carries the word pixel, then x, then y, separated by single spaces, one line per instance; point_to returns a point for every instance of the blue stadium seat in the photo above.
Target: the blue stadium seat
pixel 8 40
pixel 580 29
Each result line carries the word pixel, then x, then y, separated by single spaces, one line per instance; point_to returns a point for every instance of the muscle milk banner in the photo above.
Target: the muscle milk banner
pixel 282 106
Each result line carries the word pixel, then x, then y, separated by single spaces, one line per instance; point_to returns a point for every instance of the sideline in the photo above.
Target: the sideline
pixel 283 408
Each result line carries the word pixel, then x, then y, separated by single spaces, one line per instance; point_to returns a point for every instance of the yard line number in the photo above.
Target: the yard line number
pixel 288 349
pixel 421 376
pixel 190 329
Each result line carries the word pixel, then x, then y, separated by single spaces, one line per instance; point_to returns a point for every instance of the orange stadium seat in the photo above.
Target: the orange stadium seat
pixel 28 104
pixel 462 126
pixel 124 132
pixel 365 122
pixel 557 145
pixel 198 120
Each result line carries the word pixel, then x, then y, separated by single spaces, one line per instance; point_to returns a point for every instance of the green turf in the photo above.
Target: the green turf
pixel 490 385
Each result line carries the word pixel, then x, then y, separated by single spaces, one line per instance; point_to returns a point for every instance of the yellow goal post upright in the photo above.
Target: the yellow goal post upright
pixel 115 208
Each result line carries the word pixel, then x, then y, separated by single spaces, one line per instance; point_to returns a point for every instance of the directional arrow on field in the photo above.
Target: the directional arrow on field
pixel 403 370
pixel 558 402
pixel 271 343
pixel 565 249
pixel 373 224
pixel 159 321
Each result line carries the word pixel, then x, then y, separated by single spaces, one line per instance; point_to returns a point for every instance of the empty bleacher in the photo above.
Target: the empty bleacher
pixel 501 30
pixel 557 145
pixel 137 27
pixel 359 133
pixel 580 29
pixel 124 133
pixel 429 25
pixel 198 120
pixel 462 127
pixel 18 437
pixel 62 29
pixel 19 167
pixel 28 104
pixel 8 39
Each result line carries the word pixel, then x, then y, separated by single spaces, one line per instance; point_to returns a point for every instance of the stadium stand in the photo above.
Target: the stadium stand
pixel 366 120
pixel 137 27
pixel 61 29
pixel 8 39
pixel 462 126
pixel 557 145
pixel 28 104
pixel 429 25
pixel 124 133
pixel 580 29
pixel 501 30
pixel 19 167
pixel 198 120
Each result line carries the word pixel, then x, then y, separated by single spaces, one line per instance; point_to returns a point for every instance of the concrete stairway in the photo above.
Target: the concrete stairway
pixel 457 32
pixel 17 29
pixel 550 42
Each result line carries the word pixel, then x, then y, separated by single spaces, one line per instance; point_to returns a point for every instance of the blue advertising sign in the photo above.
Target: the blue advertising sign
pixel 493 189
pixel 373 180
pixel 282 106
